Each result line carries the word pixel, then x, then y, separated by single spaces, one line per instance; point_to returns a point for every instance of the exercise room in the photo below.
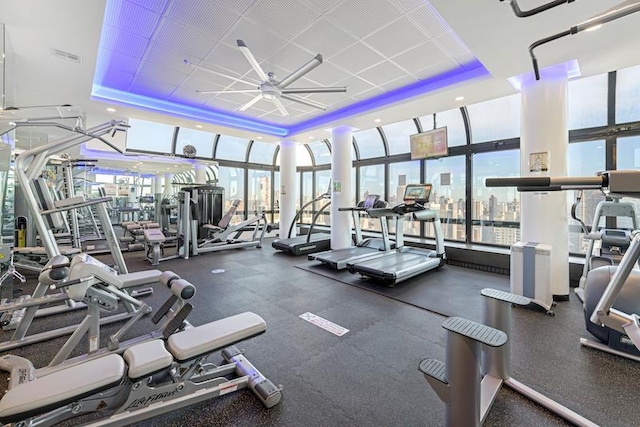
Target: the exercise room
pixel 319 213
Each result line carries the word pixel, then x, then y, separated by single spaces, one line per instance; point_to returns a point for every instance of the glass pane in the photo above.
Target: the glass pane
pixel 323 178
pixel 369 143
pixel 149 136
pixel 448 177
pixel 587 158
pixel 627 95
pixel 371 182
pixel 495 211
pixel 262 152
pixel 629 158
pixel 452 119
pixel 307 196
pixel 321 153
pixel 496 119
pixel 202 141
pixel 232 179
pixel 398 135
pixel 587 102
pixel 232 148
pixel 259 191
pixel 275 218
pixel 401 174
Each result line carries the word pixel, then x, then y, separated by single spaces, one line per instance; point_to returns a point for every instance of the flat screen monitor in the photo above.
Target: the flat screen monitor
pixel 417 193
pixel 370 201
pixel 429 144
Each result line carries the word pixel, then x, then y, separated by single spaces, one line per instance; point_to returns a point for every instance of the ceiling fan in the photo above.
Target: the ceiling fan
pixel 269 87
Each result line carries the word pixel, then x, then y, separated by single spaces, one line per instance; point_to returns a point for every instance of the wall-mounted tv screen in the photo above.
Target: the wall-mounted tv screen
pixel 429 144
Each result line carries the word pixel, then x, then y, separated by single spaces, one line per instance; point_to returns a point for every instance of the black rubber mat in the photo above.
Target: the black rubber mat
pixel 448 291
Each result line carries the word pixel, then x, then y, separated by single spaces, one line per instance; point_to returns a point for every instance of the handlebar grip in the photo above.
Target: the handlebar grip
pixel 529 181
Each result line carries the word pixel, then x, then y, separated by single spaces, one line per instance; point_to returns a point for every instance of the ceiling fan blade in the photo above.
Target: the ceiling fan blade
pixel 317 60
pixel 280 106
pixel 305 101
pixel 314 89
pixel 211 92
pixel 250 103
pixel 209 70
pixel 252 60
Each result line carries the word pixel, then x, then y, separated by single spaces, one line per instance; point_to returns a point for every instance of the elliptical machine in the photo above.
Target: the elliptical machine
pixel 612 293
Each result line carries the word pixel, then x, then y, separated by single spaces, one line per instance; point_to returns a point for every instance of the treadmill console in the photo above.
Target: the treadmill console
pixel 370 201
pixel 417 193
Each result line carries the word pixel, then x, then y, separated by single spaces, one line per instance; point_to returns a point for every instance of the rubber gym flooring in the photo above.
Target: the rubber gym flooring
pixel 369 376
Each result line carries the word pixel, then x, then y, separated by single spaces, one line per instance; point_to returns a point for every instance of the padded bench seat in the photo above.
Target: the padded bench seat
pixel 146 358
pixel 139 278
pixel 61 388
pixel 41 250
pixel 195 342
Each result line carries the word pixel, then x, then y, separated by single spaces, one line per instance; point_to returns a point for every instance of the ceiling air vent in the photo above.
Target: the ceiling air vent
pixel 66 55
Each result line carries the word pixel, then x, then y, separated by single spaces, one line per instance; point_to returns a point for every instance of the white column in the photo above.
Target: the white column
pixel 201 173
pixel 287 190
pixel 154 185
pixel 168 188
pixel 544 130
pixel 341 186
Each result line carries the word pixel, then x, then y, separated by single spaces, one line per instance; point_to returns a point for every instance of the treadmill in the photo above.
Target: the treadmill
pixel 405 262
pixel 310 242
pixel 364 248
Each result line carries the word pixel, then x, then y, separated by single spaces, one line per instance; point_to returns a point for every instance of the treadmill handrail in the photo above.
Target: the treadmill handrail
pixel 301 211
pixel 315 218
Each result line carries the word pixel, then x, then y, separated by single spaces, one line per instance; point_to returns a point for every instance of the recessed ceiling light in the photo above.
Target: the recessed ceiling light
pixel 259 137
pixel 111 109
pixel 459 98
pixel 377 120
pixel 310 137
pixel 199 126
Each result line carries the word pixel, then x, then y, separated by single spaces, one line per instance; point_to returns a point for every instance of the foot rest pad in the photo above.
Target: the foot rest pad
pixel 434 369
pixel 505 296
pixel 476 331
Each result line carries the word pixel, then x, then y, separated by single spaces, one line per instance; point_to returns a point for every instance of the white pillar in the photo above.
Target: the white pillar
pixel 288 191
pixel 341 186
pixel 544 133
pixel 201 173
pixel 168 188
pixel 154 185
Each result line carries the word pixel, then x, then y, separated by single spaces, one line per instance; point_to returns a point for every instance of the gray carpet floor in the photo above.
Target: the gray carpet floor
pixel 369 376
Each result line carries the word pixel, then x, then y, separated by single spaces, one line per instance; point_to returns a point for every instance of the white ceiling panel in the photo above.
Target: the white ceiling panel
pixel 330 99
pixel 136 19
pixel 436 69
pixel 227 57
pixel 169 58
pixel 188 95
pixel 421 57
pixel 290 57
pixel 382 73
pixel 325 38
pixel 368 94
pixel 161 74
pixel 143 85
pixel 408 5
pixel 396 38
pixel 239 6
pixel 398 83
pixel 451 44
pixel 357 57
pixel 222 104
pixel 322 6
pixel 184 39
pixel 262 41
pixel 285 21
pixel 238 98
pixel 363 17
pixel 354 85
pixel 120 62
pixel 157 6
pixel 121 41
pixel 204 16
pixel 326 74
pixel 427 18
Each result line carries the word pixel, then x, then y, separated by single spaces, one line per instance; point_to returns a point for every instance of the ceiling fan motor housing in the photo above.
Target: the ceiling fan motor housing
pixel 270 91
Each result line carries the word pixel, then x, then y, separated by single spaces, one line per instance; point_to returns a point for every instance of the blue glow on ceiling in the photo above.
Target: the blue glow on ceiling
pixel 126 34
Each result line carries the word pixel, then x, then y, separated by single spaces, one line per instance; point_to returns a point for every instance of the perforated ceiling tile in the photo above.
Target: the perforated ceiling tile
pixel 396 37
pixel 437 69
pixel 203 15
pixel 330 99
pixel 382 73
pixel 465 59
pixel 239 6
pixel 285 21
pixel 184 39
pixel 150 87
pixel 290 57
pixel 117 61
pixel 398 83
pixel 325 38
pixel 322 6
pixel 167 57
pixel 429 20
pixel 420 57
pixel 354 85
pixel 123 42
pixel 227 57
pixel 161 74
pixel 239 98
pixel 363 17
pixel 156 6
pixel 119 80
pixel 135 19
pixel 368 94
pixel 452 44
pixel 222 105
pixel 326 75
pixel 407 5
pixel 260 40
pixel 356 58
pixel 189 96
